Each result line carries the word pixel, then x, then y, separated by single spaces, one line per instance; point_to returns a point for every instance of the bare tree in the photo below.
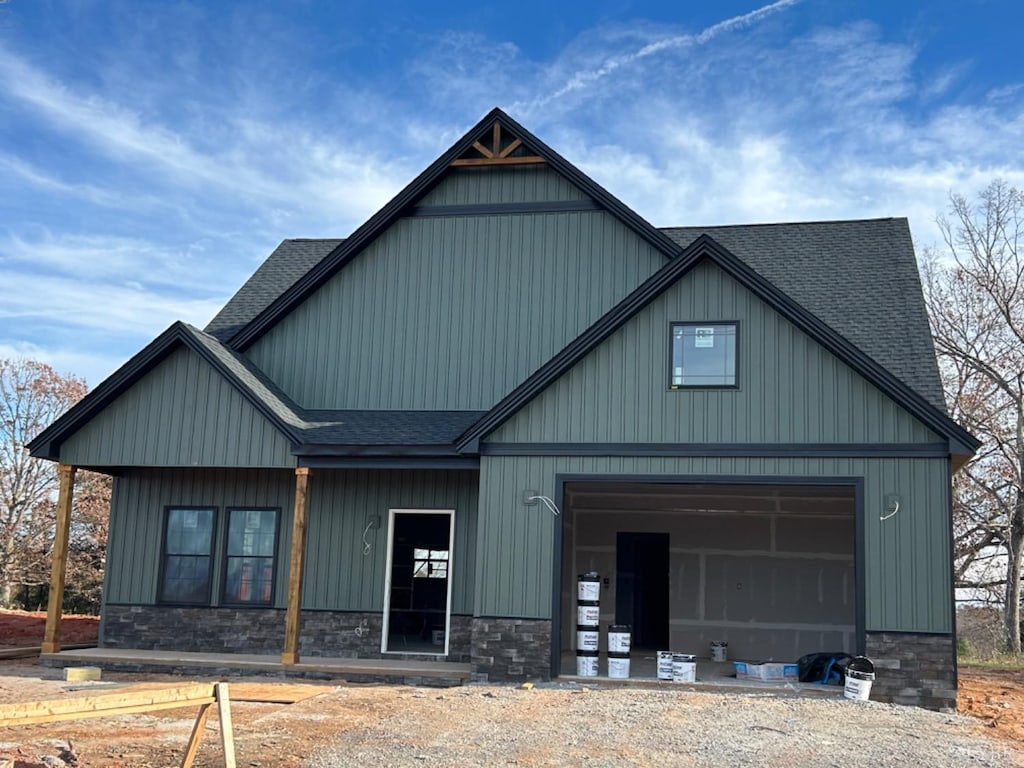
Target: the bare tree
pixel 32 395
pixel 975 296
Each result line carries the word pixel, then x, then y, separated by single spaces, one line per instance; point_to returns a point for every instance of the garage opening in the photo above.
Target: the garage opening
pixel 768 569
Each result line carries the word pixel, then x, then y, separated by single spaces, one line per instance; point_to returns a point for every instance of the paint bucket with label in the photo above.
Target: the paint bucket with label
pixel 719 650
pixel 588 613
pixel 860 674
pixel 618 665
pixel 588 586
pixel 586 663
pixel 586 638
pixel 665 665
pixel 437 637
pixel 618 638
pixel 684 668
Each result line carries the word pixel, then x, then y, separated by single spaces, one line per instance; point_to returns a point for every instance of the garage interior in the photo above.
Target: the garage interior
pixel 769 569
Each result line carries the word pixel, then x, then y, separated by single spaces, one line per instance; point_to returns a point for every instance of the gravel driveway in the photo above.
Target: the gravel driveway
pixel 493 725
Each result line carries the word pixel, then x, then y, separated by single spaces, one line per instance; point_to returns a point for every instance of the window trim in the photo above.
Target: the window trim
pixel 162 569
pixel 698 387
pixel 224 601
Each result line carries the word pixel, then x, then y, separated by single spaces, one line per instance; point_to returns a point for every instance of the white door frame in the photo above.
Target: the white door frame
pixel 387 575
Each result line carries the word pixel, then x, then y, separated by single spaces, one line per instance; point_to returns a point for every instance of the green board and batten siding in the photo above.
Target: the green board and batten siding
pixel 907 576
pixel 452 312
pixel 338 575
pixel 791 389
pixel 511 184
pixel 181 414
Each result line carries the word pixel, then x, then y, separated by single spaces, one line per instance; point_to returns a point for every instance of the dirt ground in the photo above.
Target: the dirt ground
pixel 22 629
pixel 268 734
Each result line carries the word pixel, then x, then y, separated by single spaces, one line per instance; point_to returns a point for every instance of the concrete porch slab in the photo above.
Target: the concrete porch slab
pixel 399 671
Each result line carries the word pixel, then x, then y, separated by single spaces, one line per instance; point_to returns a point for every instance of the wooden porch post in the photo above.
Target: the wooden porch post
pixel 290 654
pixel 58 570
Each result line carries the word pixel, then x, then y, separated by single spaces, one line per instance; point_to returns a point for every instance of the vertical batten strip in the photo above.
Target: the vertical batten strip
pixel 58 572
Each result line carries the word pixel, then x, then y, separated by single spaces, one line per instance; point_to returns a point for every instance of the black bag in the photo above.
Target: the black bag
pixel 823 667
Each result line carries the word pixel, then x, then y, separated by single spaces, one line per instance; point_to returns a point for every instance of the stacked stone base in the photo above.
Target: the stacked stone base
pixel 915 669
pixel 511 649
pixel 260 631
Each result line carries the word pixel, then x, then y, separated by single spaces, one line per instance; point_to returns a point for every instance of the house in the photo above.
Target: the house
pixel 409 442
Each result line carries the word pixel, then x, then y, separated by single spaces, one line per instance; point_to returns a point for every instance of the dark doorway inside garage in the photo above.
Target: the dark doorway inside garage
pixel 642 579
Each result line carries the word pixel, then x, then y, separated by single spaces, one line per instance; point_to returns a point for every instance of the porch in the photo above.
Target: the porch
pixel 395 671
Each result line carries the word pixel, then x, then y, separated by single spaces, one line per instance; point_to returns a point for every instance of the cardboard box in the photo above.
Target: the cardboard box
pixel 766 671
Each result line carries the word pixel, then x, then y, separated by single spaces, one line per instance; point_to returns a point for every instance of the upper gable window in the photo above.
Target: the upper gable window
pixel 703 355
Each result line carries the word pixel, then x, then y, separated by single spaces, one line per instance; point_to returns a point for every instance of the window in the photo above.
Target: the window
pixel 188 546
pixel 250 557
pixel 430 564
pixel 703 355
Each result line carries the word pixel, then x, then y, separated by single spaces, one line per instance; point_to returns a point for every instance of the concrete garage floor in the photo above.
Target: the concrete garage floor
pixel 643 672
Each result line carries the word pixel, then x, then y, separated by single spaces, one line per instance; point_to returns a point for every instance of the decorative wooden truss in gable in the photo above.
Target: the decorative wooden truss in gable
pixel 504 149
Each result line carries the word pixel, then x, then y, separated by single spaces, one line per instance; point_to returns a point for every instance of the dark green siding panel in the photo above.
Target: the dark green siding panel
pixel 522 184
pixel 452 312
pixel 791 389
pixel 907 557
pixel 136 522
pixel 182 413
pixel 339 576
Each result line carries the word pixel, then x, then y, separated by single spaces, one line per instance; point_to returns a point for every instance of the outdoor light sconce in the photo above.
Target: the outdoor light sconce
pixel 891 506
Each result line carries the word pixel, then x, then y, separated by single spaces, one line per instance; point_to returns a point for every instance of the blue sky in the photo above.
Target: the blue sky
pixel 152 154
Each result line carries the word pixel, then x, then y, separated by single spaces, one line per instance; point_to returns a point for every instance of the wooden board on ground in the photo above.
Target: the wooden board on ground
pixel 275 693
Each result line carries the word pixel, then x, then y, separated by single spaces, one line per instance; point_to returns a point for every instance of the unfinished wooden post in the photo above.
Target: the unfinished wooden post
pixel 290 654
pixel 59 566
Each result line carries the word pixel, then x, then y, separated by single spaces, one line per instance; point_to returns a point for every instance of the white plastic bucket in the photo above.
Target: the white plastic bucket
pixel 588 587
pixel 618 666
pixel 586 663
pixel 858 685
pixel 684 668
pixel 588 615
pixel 586 638
pixel 719 651
pixel 618 638
pixel 665 665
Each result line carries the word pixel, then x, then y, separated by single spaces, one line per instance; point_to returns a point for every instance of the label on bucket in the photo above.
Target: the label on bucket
pixel 588 590
pixel 618 668
pixel 683 671
pixel 618 639
pixel 586 666
pixel 588 615
pixel 586 639
pixel 665 665
pixel 858 690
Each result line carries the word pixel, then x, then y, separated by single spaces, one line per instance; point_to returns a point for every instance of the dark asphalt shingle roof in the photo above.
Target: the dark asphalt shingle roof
pixel 387 427
pixel 289 261
pixel 858 277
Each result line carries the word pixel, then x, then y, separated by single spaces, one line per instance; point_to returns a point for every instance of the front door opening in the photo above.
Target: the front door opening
pixel 417 595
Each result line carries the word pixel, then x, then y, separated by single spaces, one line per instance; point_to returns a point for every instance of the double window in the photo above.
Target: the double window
pixel 702 355
pixel 249 556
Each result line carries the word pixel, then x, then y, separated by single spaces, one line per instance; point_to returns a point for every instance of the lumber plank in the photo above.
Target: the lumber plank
pixel 524 160
pixel 198 728
pixel 102 705
pixel 227 736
